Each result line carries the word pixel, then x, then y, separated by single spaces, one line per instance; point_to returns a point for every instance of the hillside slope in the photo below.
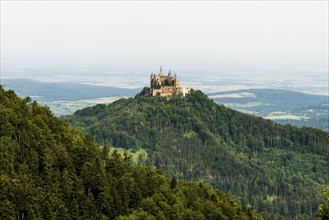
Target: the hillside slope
pixel 277 169
pixel 52 171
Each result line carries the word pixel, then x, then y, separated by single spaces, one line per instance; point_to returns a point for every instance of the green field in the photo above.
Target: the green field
pixel 69 107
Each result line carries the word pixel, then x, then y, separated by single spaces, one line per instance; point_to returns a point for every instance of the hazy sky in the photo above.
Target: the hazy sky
pixel 216 36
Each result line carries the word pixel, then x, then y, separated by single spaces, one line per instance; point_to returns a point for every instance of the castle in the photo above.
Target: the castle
pixel 161 85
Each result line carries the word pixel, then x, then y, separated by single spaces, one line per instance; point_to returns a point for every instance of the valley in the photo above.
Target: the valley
pixel 282 106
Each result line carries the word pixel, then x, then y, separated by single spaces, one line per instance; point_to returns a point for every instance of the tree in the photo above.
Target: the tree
pixel 324 208
pixel 173 183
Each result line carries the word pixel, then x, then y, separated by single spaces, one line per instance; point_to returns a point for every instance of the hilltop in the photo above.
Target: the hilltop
pixel 279 170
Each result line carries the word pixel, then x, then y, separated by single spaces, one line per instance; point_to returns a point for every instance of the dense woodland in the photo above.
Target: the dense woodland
pixel 279 170
pixel 52 171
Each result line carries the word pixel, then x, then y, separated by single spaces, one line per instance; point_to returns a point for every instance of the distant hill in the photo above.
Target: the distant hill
pixel 48 92
pixel 279 170
pixel 52 171
pixel 283 106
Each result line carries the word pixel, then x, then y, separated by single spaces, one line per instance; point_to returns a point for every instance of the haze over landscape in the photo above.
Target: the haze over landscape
pixel 273 44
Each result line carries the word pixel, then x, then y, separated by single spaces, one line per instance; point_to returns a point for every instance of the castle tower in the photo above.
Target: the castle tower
pixel 151 80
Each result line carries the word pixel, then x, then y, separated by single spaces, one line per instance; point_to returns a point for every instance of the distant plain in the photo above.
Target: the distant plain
pixel 249 92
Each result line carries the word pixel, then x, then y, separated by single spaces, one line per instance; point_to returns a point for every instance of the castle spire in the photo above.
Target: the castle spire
pixel 160 71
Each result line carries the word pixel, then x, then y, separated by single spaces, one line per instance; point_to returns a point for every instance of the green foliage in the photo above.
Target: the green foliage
pixel 52 171
pixel 276 169
pixel 324 208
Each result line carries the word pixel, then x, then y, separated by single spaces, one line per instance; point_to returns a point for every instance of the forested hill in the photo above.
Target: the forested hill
pixel 279 170
pixel 52 171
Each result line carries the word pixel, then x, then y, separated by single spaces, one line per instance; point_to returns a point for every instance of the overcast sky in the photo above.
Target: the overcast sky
pixel 238 35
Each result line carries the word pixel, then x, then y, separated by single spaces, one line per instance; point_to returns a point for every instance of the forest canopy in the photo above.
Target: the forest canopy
pixel 52 171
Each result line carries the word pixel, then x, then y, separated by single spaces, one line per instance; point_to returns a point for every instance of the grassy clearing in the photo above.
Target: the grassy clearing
pixel 234 95
pixel 284 116
pixel 69 107
pixel 246 105
pixel 139 156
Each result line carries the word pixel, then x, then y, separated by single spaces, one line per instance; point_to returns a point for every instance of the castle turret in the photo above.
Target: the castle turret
pixel 169 74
